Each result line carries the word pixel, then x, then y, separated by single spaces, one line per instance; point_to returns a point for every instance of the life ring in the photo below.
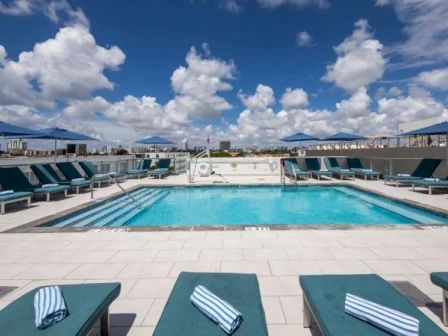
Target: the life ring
pixel 204 169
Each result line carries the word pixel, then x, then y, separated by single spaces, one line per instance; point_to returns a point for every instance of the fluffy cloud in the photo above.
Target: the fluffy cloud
pixel 303 39
pixel 294 99
pixel 360 60
pixel 85 109
pixel 425 24
pixel 260 100
pixel 436 79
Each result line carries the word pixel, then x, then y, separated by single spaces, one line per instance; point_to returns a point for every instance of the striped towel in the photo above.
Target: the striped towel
pixel 323 170
pixel 431 179
pixel 390 320
pixel 367 170
pixel 49 185
pixel 404 175
pixel 6 192
pixel 49 307
pixel 345 170
pixel 217 310
pixel 78 179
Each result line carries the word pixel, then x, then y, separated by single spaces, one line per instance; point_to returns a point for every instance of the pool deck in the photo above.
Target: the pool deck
pixel 147 263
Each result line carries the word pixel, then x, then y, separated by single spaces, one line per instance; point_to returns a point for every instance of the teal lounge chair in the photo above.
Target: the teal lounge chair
pixel 46 177
pixel 441 279
pixel 91 171
pixel 180 317
pixel 70 173
pixel 425 169
pixel 86 304
pixel 355 165
pixel 163 168
pixel 15 197
pixel 313 165
pixel 293 171
pixel 324 299
pixel 13 179
pixel 333 166
pixel 430 184
pixel 142 168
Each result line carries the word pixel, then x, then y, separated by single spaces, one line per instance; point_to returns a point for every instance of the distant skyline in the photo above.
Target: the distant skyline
pixel 251 71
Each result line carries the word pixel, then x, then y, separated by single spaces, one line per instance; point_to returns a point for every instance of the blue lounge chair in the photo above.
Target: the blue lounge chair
pixel 313 165
pixel 92 172
pixel 324 300
pixel 86 304
pixel 163 168
pixel 355 165
pixel 14 197
pixel 50 177
pixel 71 173
pixel 333 166
pixel 425 169
pixel 180 317
pixel 142 168
pixel 430 184
pixel 12 178
pixel 441 279
pixel 293 171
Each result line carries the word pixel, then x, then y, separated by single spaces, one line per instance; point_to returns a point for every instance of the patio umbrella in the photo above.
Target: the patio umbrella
pixel 155 141
pixel 436 129
pixel 9 130
pixel 57 133
pixel 299 137
pixel 344 137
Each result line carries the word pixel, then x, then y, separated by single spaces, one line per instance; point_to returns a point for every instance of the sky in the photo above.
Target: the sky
pixel 251 71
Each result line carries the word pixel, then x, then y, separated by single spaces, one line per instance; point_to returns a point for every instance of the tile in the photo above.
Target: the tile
pixel 432 265
pixel 129 312
pixel 279 285
pixel 96 271
pixel 164 245
pixel 203 244
pixel 90 257
pixel 194 266
pixel 126 257
pixel 273 310
pixel 343 267
pixel 124 245
pixel 145 270
pixel 152 288
pixel 221 254
pixel 294 267
pixel 394 267
pixel 341 253
pixel 309 253
pixel 46 271
pixel 292 309
pixel 288 330
pixel 259 267
pixel 153 316
pixel 281 243
pixel 174 255
pixel 242 243
pixel 264 254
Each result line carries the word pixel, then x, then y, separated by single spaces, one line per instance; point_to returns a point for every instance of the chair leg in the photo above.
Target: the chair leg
pixel 2 208
pixel 65 193
pixel 307 316
pixel 28 202
pixel 48 197
pixel 105 324
pixel 430 190
pixel 445 307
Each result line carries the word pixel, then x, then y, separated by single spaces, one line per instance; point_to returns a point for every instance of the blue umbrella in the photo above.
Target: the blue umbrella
pixel 155 141
pixel 9 130
pixel 342 136
pixel 299 137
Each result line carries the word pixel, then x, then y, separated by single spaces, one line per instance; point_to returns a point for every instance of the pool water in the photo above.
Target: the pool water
pixel 255 205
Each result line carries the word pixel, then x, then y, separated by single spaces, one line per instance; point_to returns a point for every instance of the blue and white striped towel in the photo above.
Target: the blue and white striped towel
pixel 216 309
pixel 345 170
pixel 6 192
pixel 390 320
pixel 404 175
pixel 80 179
pixel 49 185
pixel 431 179
pixel 367 170
pixel 49 307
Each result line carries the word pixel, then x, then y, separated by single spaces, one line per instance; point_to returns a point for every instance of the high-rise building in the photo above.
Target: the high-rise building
pixel 185 145
pixel 224 145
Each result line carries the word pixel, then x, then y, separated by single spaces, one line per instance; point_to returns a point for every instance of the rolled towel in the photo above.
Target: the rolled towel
pixel 79 179
pixel 431 179
pixel 367 170
pixel 49 185
pixel 345 170
pixel 49 307
pixel 216 309
pixel 404 175
pixel 390 320
pixel 323 170
pixel 6 192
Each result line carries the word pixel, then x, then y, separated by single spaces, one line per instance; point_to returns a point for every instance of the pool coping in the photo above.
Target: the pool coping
pixel 34 226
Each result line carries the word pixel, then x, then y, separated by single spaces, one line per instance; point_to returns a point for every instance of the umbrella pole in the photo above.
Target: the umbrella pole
pixel 446 150
pixel 55 150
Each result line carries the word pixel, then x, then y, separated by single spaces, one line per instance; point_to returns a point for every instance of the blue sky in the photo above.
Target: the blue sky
pixel 248 70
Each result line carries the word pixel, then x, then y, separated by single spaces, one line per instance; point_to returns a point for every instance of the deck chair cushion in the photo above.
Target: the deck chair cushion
pixel 440 279
pixel 326 297
pixel 15 195
pixel 180 317
pixel 86 303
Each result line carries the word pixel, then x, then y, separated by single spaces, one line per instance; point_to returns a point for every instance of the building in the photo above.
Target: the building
pixel 16 147
pixel 224 145
pixel 185 145
pixel 78 149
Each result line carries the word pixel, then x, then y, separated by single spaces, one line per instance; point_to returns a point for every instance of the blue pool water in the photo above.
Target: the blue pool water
pixel 258 205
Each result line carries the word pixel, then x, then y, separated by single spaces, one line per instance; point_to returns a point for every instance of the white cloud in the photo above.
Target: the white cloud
pixel 55 10
pixel 260 100
pixel 296 3
pixel 231 6
pixel 294 98
pixel 426 26
pixel 435 79
pixel 85 109
pixel 303 39
pixel 360 60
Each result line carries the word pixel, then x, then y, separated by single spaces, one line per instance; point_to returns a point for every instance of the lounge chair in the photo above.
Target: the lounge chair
pixel 163 168
pixel 92 172
pixel 86 304
pixel 180 317
pixel 13 178
pixel 313 165
pixel 333 166
pixel 293 171
pixel 355 165
pixel 324 300
pixel 46 177
pixel 425 169
pixel 14 197
pixel 142 168
pixel 430 184
pixel 71 173
pixel 441 279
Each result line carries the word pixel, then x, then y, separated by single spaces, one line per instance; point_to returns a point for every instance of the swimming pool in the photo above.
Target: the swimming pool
pixel 247 206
